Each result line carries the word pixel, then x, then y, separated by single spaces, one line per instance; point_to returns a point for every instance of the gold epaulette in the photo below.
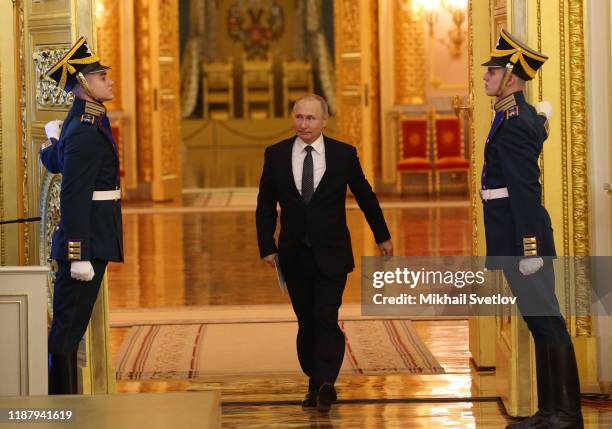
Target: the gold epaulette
pixel 94 109
pixel 509 106
pixel 92 112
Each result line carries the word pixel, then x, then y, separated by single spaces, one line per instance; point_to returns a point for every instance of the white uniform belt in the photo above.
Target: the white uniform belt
pixel 115 194
pixel 494 194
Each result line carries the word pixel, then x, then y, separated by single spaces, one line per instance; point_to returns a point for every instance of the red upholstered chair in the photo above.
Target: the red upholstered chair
pixel 449 153
pixel 414 150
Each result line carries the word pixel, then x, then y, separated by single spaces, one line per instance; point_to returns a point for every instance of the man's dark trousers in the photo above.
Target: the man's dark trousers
pixel 537 302
pixel 73 302
pixel 316 299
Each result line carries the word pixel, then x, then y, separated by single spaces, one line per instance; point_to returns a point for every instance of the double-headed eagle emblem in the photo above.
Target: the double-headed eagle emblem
pixel 255 26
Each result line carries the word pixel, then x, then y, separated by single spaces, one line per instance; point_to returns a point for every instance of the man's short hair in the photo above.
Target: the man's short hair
pixel 324 105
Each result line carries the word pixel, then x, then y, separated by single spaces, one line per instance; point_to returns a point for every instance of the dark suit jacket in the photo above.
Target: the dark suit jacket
pixel 86 156
pixel 511 159
pixel 323 220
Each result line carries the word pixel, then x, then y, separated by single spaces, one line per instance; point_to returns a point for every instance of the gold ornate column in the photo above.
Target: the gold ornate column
pixel 357 81
pixel 409 59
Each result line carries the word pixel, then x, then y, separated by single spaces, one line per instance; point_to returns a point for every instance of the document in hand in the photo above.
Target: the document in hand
pixel 281 278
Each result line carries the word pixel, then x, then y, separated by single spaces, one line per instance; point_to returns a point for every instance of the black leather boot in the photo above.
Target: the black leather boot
pixel 63 374
pixel 545 417
pixel 567 387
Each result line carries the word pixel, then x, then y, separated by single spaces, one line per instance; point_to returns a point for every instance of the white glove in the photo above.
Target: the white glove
pixel 53 129
pixel 544 108
pixel 529 266
pixel 82 270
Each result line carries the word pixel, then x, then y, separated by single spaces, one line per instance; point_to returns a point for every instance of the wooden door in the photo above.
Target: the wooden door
pixel 158 104
pixel 357 107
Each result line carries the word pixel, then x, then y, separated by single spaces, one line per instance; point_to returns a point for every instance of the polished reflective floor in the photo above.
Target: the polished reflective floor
pixel 192 254
pixel 210 258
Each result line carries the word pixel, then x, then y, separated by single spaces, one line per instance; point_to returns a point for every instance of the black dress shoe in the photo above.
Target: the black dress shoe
pixel 325 397
pixel 310 400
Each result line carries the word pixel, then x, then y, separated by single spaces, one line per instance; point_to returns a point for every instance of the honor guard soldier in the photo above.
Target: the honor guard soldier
pixel 518 229
pixel 89 234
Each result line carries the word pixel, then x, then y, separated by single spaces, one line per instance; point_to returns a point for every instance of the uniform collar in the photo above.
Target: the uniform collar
pixel 509 101
pixel 89 107
pixel 317 145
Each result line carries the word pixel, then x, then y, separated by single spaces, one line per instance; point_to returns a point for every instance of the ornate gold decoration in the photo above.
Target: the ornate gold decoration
pixel 539 24
pixel 564 179
pixel 374 92
pixel 349 13
pixel 348 71
pixel 50 213
pixel 474 170
pixel 108 44
pixel 25 230
pixel 409 56
pixel 580 203
pixel 48 93
pixel 567 250
pixel 265 25
pixel 429 12
pixel 562 90
pixel 169 77
pixel 580 197
pixel 144 91
pixel 540 88
pixel 2 239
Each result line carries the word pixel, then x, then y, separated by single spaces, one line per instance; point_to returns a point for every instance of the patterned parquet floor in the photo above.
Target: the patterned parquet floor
pixel 187 257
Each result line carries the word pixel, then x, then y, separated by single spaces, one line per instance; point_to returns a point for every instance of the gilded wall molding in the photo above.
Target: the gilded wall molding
pixel 539 24
pixel 376 138
pixel 48 94
pixel 564 178
pixel 540 86
pixel 474 174
pixel 2 239
pixel 409 57
pixel 580 197
pixel 24 229
pixel 348 71
pixel 144 92
pixel 562 91
pixel 580 203
pixel 169 72
pixel 109 47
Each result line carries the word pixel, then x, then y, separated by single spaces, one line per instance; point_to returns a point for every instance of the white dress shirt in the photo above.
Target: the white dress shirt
pixel 318 161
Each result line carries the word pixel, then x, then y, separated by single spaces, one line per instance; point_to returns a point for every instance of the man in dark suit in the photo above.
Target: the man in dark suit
pixel 89 234
pixel 518 229
pixel 308 176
